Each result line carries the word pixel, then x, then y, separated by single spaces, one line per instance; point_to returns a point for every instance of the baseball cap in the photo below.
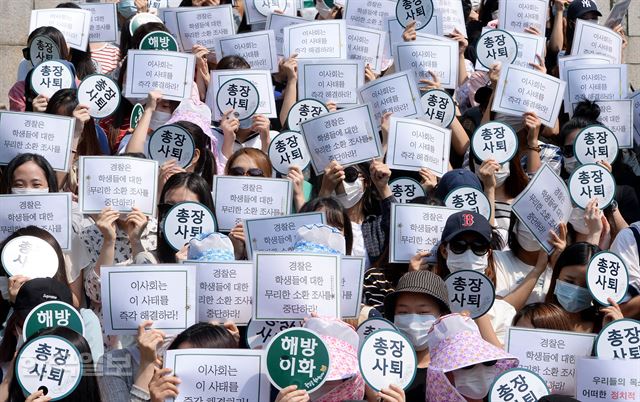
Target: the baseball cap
pixel 40 290
pixel 578 8
pixel 423 282
pixel 456 178
pixel 466 221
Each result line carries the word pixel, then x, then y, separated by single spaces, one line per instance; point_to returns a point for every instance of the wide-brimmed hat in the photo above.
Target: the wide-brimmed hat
pixel 423 282
pixel 318 238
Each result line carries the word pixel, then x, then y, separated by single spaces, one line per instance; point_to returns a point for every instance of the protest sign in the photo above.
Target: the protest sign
pixel 529 46
pixel 159 40
pixel 136 115
pixel 395 30
pixel 405 189
pixel 266 7
pixel 550 354
pixel 259 333
pixel 316 40
pixel 352 271
pixel 439 107
pixel 257 48
pixel 161 4
pixel 41 49
pixel 617 116
pixel 415 144
pixel 30 256
pixel 494 140
pixel 369 13
pixel 635 97
pixel 303 110
pixel 451 15
pixel 420 11
pixel 258 11
pixel 522 90
pixel 396 93
pixel 517 15
pixel 346 136
pixel 422 234
pixel 331 80
pixel 607 277
pixel 101 94
pixel 261 79
pixel 224 291
pixel 238 95
pixel 170 72
pixel 518 384
pixel 288 149
pixel 220 374
pixel 52 314
pixel 297 356
pixel 49 77
pixel 439 56
pixel 72 22
pixel 118 182
pixel 171 142
pixel 51 363
pixel 591 38
pixel 620 339
pixel 595 143
pixel 371 325
pixel 387 357
pixel 140 19
pixel 580 61
pixel 617 14
pixel 294 285
pixel 164 294
pixel 496 46
pixel 592 181
pixel 44 134
pixel 604 380
pixel 168 16
pixel 469 199
pixel 50 212
pixel 104 22
pixel 366 45
pixel 201 25
pixel 238 197
pixel 185 221
pixel 276 23
pixel 279 233
pixel 606 82
pixel 470 291
pixel 543 205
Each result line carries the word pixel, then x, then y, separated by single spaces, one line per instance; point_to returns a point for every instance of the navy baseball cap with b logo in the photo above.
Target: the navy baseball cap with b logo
pixel 466 221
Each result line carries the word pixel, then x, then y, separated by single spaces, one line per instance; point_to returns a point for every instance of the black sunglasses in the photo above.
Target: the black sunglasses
pixel 240 171
pixel 487 364
pixel 351 174
pixel 460 246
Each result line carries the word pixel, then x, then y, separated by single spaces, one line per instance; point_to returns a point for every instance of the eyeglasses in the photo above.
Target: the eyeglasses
pixel 351 174
pixel 460 246
pixel 487 364
pixel 567 150
pixel 240 171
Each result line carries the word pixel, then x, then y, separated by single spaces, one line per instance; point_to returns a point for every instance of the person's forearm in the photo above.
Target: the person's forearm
pixel 288 100
pixel 487 332
pixel 486 116
pixel 139 135
pixel 462 70
pixel 631 309
pixel 490 192
pixel 556 41
pixel 144 375
pixel 136 246
pixel 518 298
pixel 107 255
pixel 227 145
pixel 459 138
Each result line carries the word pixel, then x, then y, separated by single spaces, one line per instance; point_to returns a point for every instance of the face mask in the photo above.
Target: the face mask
pixel 159 119
pixel 572 298
pixel 23 191
pixel 127 8
pixel 466 260
pixel 502 174
pixel 526 239
pixel 474 383
pixel 323 10
pixel 415 326
pixel 577 221
pixel 353 193
pixel 570 164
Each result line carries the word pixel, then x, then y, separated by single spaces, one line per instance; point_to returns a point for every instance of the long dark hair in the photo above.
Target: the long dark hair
pixel 336 216
pixel 205 336
pixel 6 182
pixel 206 164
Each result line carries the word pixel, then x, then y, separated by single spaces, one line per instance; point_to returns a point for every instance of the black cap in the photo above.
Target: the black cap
pixel 466 221
pixel 423 282
pixel 456 178
pixel 578 8
pixel 40 290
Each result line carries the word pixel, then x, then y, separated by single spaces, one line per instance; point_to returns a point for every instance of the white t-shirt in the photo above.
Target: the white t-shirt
pixel 626 248
pixel 501 315
pixel 510 272
pixel 358 249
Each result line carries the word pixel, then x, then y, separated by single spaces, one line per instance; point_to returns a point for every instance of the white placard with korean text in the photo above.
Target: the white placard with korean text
pixel 316 40
pixel 73 23
pixel 367 45
pixel 257 48
pixel 519 384
pixel 260 78
pixel 591 181
pixel 635 97
pixel 44 134
pixel 168 15
pixel 591 38
pixel 165 294
pixel 291 286
pixel 352 271
pixel 395 30
pixel 277 233
pixel 620 339
pixel 104 22
pixel 277 22
pixel 451 15
pixel 386 357
pixel 330 80
pixel 617 116
pixel 580 61
pixel 529 46
pixel 605 380
pixel 288 149
pixel 604 82
pixel 255 17
pixel 405 189
pixel 607 277
pixel 118 182
pixel 439 56
pixel 369 13
pixel 517 15
pixel 238 197
pixel 201 25
pixel 170 72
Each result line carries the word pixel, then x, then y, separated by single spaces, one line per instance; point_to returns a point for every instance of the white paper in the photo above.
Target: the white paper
pixel 635 97
pixel 395 30
pixel 373 357
pixel 352 270
pixel 366 45
pixel 605 380
pixel 316 40
pixel 253 16
pixel 423 56
pixel 528 47
pixel 73 23
pixel 168 15
pixel 617 115
pixel 451 15
pixel 260 78
pixel 277 22
pixel 277 233
pixel 201 25
pixel 170 72
pixel 331 80
pixel 580 61
pixel 591 181
pixel 606 82
pixel 104 22
pixel 257 48
pixel 591 38
pixel 369 13
pixel 516 15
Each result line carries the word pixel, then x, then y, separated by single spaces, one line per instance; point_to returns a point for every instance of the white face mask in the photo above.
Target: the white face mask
pixel 526 239
pixel 576 219
pixel 502 174
pixel 24 190
pixel 159 119
pixel 466 260
pixel 353 193
pixel 570 164
pixel 415 327
pixel 474 383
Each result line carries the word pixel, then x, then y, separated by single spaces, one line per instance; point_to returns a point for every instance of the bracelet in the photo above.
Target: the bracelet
pixel 536 148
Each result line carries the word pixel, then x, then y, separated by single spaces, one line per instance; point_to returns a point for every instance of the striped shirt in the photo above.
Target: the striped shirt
pixel 107 58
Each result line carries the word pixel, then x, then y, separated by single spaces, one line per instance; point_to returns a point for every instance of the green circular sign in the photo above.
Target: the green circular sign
pixel 159 40
pixel 136 115
pixel 52 314
pixel 297 356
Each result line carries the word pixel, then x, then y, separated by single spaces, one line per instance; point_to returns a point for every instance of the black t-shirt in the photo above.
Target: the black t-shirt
pixel 417 391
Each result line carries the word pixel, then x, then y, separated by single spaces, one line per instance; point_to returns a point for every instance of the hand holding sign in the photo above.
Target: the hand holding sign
pixel 495 46
pixel 240 95
pixel 420 11
pixel 51 76
pixel 171 142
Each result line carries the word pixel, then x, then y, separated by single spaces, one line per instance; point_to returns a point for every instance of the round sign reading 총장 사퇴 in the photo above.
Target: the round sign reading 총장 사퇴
pixel 136 115
pixel 619 340
pixel 303 110
pixel 171 142
pixel 49 363
pixel 41 49
pixel 470 291
pixel 469 199
pixel 372 325
pixel 266 7
pixel 592 181
pixel 494 140
pixel 405 189
pixel 51 76
pixel 420 11
pixel 607 277
pixel 259 333
pixel 297 356
pixel 595 143
pixel 101 94
pixel 520 383
pixel 240 95
pixel 159 40
pixel 185 221
pixel 289 148
pixel 29 256
pixel 439 107
pixel 496 46
pixel 52 314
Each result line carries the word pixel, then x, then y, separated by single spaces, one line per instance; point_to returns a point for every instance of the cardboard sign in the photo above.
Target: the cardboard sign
pixel 201 25
pixel 257 48
pixel 303 110
pixel 238 95
pixel 334 80
pixel 43 49
pixel 366 45
pixel 607 277
pixel 415 144
pixel 470 291
pixel 405 189
pixel 104 22
pixel 595 143
pixel 522 90
pixel 496 46
pixel 346 136
pixel 118 182
pixel 261 79
pixel 316 40
pixel 50 212
pixel 297 356
pixel 416 228
pixel 259 333
pixel 494 140
pixel 592 181
pixel 617 116
pixel 352 270
pixel 277 23
pixel 223 374
pixel 439 107
pixel 604 82
pixel 73 23
pixel 387 357
pixel 171 142
pixel 288 149
pixel 159 40
pixel 238 197
pixel 136 115
pixel 517 15
pixel 163 293
pixel 439 56
pixel 372 325
pixel 49 77
pixel 469 199
pixel 170 72
pixel 185 221
pixel 52 314
pixel 420 11
pixel 279 233
pixel 29 256
pixel 550 354
pixel 294 285
pixel 543 205
pixel 600 380
pixel 619 340
pixel 101 94
pixel 591 38
pixel 518 385
pixel 224 291
pixel 369 13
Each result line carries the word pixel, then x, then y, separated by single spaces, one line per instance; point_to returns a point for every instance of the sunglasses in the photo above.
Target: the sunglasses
pixel 487 364
pixel 567 150
pixel 240 171
pixel 460 246
pixel 351 174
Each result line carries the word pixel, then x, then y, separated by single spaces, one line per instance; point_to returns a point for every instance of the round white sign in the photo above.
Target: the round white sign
pixel 387 357
pixel 171 142
pixel 289 148
pixel 266 7
pixel 186 221
pixel 240 95
pixel 101 94
pixel 592 181
pixel 259 333
pixel 303 110
pixel 439 108
pixel 51 76
pixel 496 46
pixel 520 383
pixel 619 340
pixel 595 143
pixel 405 189
pixel 494 140
pixel 469 199
pixel 29 256
pixel 470 291
pixel 420 11
pixel 607 277
pixel 372 325
pixel 43 49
